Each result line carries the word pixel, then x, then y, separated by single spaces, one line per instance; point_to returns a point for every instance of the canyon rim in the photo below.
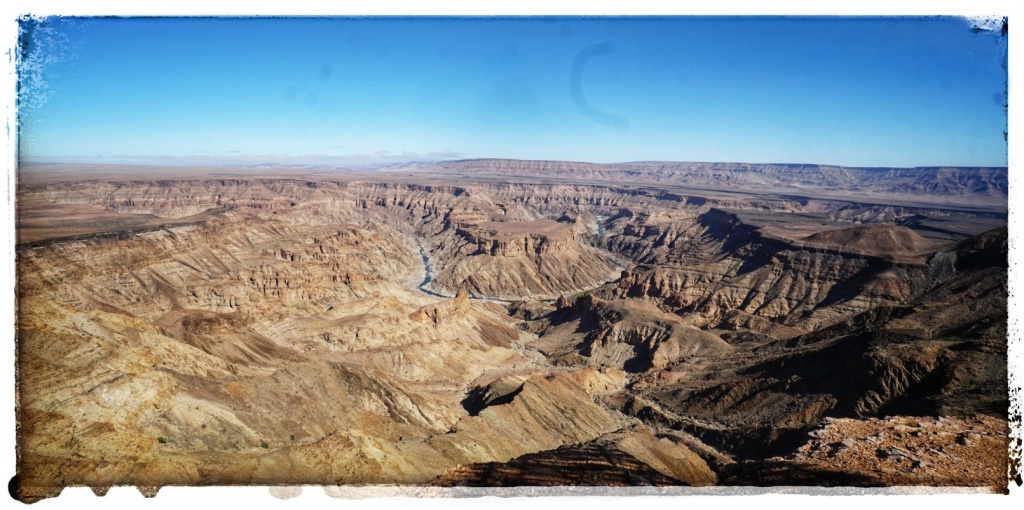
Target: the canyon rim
pixel 617 301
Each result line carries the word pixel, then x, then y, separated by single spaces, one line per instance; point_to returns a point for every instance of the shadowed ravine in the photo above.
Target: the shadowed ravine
pixel 494 330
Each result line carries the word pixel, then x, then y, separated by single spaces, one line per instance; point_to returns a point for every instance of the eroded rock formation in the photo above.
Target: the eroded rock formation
pixel 287 330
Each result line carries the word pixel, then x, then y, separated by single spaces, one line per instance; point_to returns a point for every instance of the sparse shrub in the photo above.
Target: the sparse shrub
pixel 912 423
pixel 161 440
pixel 264 444
pixel 292 437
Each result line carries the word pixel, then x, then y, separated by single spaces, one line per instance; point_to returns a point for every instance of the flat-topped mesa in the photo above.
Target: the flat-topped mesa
pixel 969 186
pixel 468 220
pixel 515 238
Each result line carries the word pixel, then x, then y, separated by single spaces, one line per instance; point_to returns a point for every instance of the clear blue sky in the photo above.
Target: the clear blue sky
pixel 848 91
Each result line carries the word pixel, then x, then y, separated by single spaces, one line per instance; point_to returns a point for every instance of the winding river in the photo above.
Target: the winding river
pixel 426 287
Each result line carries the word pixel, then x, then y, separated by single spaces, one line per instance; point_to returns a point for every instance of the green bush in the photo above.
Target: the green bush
pixel 161 440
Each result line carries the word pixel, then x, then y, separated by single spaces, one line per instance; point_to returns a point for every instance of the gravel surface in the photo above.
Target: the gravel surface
pixel 967 451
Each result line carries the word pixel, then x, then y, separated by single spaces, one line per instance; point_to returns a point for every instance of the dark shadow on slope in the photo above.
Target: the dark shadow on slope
pixel 779 473
pixel 585 465
pixel 482 397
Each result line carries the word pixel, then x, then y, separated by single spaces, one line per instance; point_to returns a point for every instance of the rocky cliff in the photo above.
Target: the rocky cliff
pixel 968 185
pixel 289 329
pixel 511 260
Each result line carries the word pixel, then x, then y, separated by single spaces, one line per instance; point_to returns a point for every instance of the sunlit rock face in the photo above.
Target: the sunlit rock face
pixel 514 259
pixel 367 329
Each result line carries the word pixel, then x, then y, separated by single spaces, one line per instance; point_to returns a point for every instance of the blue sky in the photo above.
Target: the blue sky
pixel 365 91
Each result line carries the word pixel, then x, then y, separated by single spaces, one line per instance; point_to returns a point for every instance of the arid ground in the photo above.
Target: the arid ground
pixel 501 322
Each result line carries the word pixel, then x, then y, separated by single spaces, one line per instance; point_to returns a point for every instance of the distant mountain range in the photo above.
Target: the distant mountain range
pixel 975 185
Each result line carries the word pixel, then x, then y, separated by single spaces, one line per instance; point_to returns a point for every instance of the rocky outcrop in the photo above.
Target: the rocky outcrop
pixel 245 337
pixel 739 321
pixel 586 465
pixel 925 356
pixel 445 311
pixel 873 240
pixel 255 330
pixel 972 184
pixel 629 334
pixel 513 260
pixel 898 450
pixel 725 265
pixel 620 459
pixel 545 412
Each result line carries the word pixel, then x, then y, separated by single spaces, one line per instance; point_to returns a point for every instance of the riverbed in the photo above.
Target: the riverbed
pixel 426 287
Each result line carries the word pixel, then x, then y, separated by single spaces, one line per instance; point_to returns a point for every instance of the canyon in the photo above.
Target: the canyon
pixel 502 323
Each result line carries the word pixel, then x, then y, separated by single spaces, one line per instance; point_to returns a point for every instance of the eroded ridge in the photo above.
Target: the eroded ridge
pixel 287 331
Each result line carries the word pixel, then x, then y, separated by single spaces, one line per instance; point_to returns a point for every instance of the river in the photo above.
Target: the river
pixel 426 287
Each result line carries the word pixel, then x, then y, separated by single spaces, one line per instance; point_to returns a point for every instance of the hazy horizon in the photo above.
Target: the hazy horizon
pixel 184 163
pixel 371 92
